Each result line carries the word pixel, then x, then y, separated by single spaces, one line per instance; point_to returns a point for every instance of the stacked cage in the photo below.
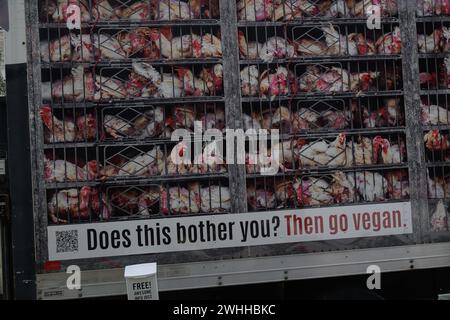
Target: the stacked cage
pixel 433 23
pixel 332 86
pixel 115 92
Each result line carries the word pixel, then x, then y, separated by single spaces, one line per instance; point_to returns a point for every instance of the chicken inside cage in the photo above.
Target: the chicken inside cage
pixel 140 201
pixel 328 40
pixel 334 188
pixel 439 192
pixel 78 205
pixel 435 110
pixel 440 218
pixel 349 77
pixel 119 44
pixel 68 125
pixel 190 198
pixel 295 117
pixel 326 78
pixel 141 81
pixel 130 10
pixel 265 10
pixel 135 161
pixel 342 151
pixel 427 8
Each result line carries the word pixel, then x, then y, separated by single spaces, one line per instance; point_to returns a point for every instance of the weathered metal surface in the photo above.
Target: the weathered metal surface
pixel 233 101
pixel 36 131
pixel 414 133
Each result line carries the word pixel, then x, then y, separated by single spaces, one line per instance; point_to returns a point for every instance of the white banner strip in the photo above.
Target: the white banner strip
pixel 67 242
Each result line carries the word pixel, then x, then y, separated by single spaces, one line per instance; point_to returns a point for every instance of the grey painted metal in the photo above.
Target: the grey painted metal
pixel 36 131
pixel 415 145
pixel 255 270
pixel 16 36
pixel 232 85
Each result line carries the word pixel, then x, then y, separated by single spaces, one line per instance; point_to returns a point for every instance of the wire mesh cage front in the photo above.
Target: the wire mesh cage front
pixel 113 95
pixel 334 90
pixel 433 47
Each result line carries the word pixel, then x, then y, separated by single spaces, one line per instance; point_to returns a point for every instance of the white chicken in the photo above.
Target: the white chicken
pixel 339 44
pixel 180 200
pixel 261 199
pixel 215 199
pixel 293 9
pixel 248 50
pixel 58 10
pixel 445 43
pixel 285 192
pixel 74 204
pixel 279 118
pixel 333 80
pixel 250 122
pixel 211 160
pixel 249 81
pixel 276 47
pixel 436 188
pixel 390 43
pixel 59 50
pixel 398 185
pixel 76 87
pixel 186 46
pixel 439 219
pixel 148 200
pixel 310 47
pixel 166 85
pixel 436 141
pixel 430 43
pixel 343 188
pixel 305 119
pixel 335 9
pixel 433 7
pixel 192 85
pixel 390 154
pixel 66 171
pixel 81 86
pixel 360 153
pixel 117 127
pixel 278 83
pixel 284 154
pixel 446 75
pixel 176 9
pixel 213 119
pixel 434 115
pixel 322 153
pixel 138 11
pixel 179 161
pixel 255 10
pixel 312 192
pixel 144 164
pixel 371 186
pixel 67 204
pixel 57 130
pixel 92 47
pixel 183 117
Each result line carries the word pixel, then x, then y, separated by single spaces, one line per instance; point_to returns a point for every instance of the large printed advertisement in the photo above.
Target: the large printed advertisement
pixel 225 231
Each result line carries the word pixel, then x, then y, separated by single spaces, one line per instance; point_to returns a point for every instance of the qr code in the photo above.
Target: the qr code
pixel 67 241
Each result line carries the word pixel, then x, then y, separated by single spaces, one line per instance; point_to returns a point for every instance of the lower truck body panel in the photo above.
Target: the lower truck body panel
pixel 198 275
